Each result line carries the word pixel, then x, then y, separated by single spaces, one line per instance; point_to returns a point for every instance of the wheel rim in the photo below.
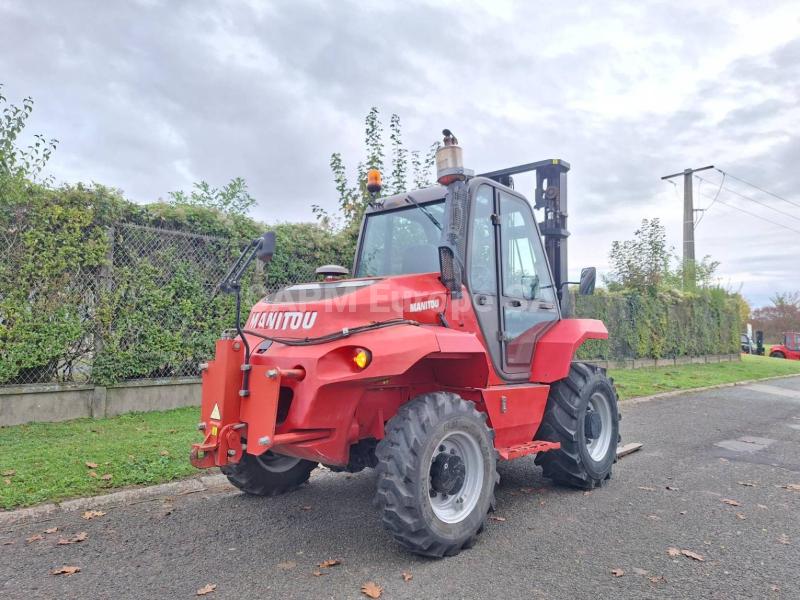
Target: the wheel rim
pixel 277 463
pixel 598 426
pixel 453 497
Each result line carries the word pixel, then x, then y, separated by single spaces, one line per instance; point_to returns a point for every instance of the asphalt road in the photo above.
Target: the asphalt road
pixel 552 543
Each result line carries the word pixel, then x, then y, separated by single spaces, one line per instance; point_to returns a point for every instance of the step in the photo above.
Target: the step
pixel 533 447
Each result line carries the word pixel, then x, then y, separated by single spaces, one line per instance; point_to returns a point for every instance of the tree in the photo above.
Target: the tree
pixel 643 262
pixel 232 198
pixel 354 198
pixel 782 316
pixel 16 160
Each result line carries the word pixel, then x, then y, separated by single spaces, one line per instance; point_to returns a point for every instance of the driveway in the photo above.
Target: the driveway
pixel 711 480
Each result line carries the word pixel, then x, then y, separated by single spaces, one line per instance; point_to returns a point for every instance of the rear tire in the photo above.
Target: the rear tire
pixel 437 470
pixel 777 355
pixel 582 414
pixel 268 474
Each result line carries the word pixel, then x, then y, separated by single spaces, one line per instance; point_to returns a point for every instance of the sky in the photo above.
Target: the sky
pixel 150 96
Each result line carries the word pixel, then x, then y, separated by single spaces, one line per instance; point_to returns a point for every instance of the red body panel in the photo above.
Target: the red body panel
pixel 556 348
pixel 334 404
pixel 788 353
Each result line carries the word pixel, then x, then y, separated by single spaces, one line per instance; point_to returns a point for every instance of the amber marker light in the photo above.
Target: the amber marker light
pixel 374 181
pixel 361 358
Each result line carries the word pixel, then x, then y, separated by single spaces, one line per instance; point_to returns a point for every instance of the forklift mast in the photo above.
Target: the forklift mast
pixel 551 195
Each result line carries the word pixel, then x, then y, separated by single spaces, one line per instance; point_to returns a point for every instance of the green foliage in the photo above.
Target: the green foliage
pixel 74 308
pixel 644 263
pixel 354 199
pixel 232 198
pixel 16 160
pixel 666 324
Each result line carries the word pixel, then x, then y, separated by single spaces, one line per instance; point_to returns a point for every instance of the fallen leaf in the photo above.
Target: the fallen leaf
pixel 371 590
pixel 683 512
pixel 107 477
pixel 164 453
pixel 305 508
pixel 78 537
pixel 672 489
pixel 693 555
pixel 658 579
pixel 647 489
pixel 654 517
pixel 746 483
pixel 7 481
pixel 91 465
pixel 617 572
pixel 775 588
pixel 35 538
pixel 762 506
pixel 407 576
pixel 65 570
pixel 317 573
pixel 741 516
pixel 207 589
pixel 51 530
pixel 9 473
pixel 499 519
pixel 9 542
pixel 730 502
pixel 287 565
pixel 639 571
pixel 792 487
pixel 673 551
pixel 92 474
pixel 331 562
pixel 784 539
pixel 91 514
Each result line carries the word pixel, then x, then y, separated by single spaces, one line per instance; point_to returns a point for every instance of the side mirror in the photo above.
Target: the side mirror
pixel 588 280
pixel 266 247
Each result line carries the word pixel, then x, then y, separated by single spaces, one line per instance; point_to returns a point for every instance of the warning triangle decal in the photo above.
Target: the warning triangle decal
pixel 215 412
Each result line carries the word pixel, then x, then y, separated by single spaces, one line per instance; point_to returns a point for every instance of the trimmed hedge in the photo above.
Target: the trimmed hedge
pixel 92 287
pixel 665 324
pixel 83 295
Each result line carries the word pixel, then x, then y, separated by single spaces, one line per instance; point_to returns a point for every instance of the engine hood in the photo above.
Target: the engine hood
pixel 315 309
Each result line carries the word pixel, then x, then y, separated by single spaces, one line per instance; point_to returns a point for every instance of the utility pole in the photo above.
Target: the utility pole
pixel 688 225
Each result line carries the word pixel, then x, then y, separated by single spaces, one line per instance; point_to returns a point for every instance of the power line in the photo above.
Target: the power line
pixel 716 196
pixel 757 216
pixel 777 210
pixel 773 194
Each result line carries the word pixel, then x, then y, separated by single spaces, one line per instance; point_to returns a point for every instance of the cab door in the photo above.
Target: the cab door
pixel 508 278
pixel 528 304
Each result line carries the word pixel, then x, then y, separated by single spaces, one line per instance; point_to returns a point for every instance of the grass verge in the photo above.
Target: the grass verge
pixel 633 383
pixel 47 462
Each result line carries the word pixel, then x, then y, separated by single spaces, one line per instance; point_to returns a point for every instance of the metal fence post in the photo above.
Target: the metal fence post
pixel 105 284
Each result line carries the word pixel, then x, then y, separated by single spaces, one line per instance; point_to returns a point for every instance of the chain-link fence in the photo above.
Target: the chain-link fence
pixel 147 309
pixel 136 302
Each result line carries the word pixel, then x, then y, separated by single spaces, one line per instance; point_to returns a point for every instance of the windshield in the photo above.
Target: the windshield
pixel 401 241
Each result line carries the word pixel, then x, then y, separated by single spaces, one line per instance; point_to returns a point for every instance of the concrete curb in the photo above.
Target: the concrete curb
pixel 643 399
pixel 122 497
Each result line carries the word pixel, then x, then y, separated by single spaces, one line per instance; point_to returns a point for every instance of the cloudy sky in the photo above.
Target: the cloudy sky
pixel 150 96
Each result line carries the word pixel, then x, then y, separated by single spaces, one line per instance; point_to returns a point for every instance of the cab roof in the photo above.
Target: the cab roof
pixel 435 192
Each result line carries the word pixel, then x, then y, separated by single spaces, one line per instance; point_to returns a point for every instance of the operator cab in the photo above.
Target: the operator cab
pixel 506 272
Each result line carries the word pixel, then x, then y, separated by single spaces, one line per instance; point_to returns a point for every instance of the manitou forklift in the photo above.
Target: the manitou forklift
pixel 447 351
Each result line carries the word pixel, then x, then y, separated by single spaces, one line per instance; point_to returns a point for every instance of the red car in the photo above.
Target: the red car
pixel 789 349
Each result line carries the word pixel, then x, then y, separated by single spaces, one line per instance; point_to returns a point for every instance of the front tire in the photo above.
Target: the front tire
pixel 268 474
pixel 777 354
pixel 582 414
pixel 437 470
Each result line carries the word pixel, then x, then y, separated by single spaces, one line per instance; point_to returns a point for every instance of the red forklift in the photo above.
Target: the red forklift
pixel 790 348
pixel 451 348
